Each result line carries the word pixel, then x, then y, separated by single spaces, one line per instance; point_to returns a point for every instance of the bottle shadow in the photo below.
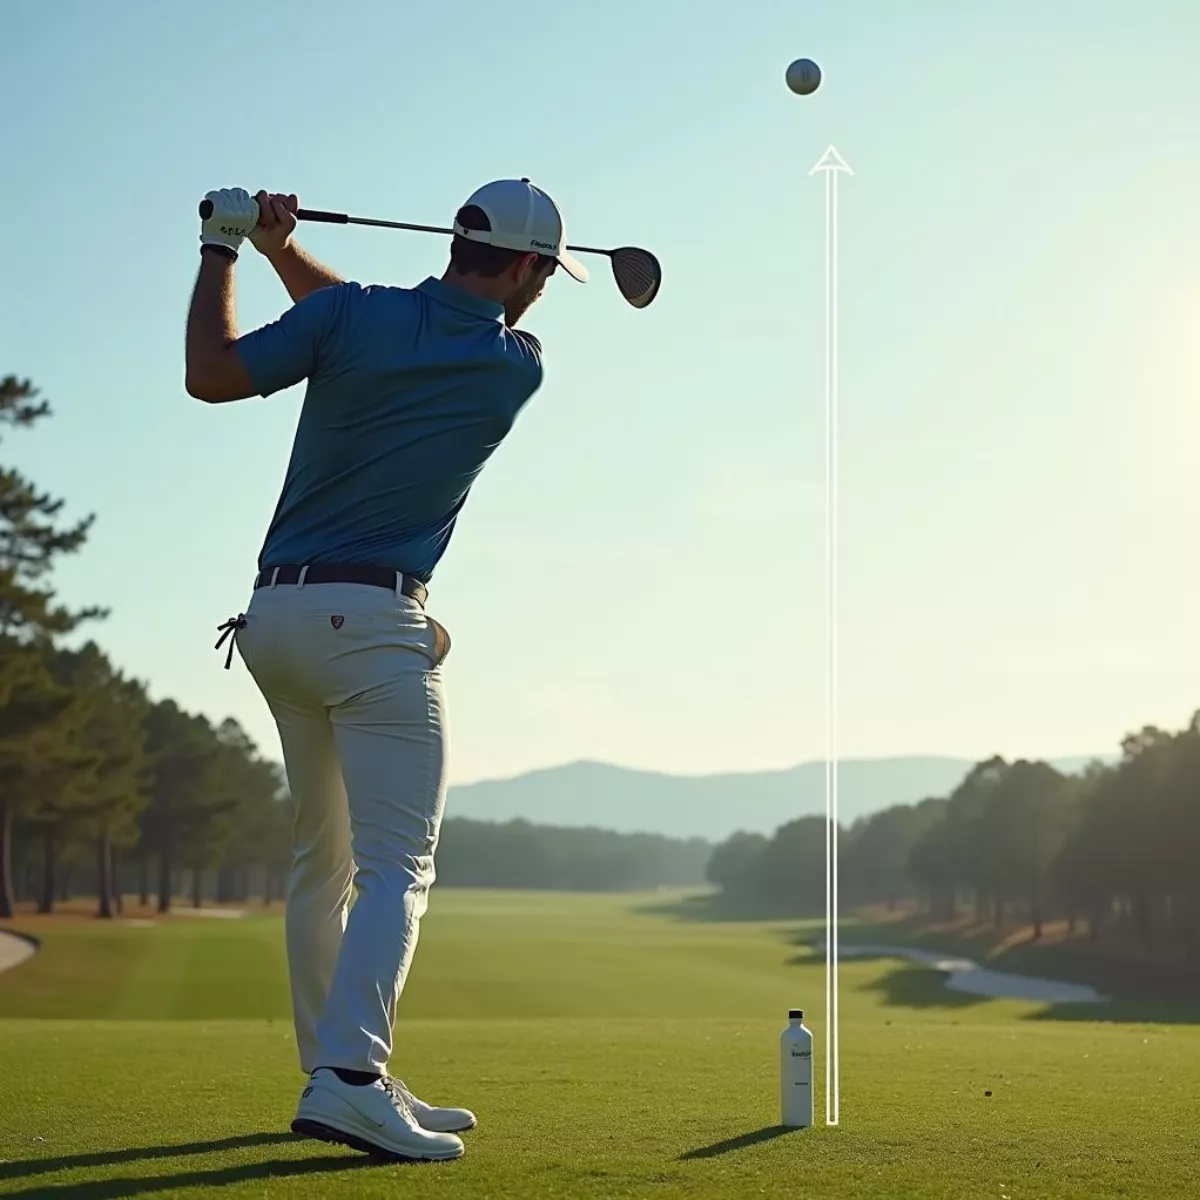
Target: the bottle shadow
pixel 767 1134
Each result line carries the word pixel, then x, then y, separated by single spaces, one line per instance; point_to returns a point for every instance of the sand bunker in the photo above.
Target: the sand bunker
pixel 14 950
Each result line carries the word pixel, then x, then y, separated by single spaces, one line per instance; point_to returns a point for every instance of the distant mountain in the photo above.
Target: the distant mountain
pixel 708 806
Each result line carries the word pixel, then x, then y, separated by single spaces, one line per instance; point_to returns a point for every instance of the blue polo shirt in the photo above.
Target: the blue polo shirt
pixel 410 390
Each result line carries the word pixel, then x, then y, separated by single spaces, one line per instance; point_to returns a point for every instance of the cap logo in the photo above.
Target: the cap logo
pixel 543 245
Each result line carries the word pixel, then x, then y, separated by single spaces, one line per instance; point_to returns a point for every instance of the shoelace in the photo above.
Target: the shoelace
pixel 229 630
pixel 401 1096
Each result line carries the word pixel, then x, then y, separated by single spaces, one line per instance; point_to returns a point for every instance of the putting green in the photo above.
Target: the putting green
pixel 609 1052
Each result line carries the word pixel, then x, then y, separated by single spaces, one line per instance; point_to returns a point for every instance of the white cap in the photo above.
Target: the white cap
pixel 522 217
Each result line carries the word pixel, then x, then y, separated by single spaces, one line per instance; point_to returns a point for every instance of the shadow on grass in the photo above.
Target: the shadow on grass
pixel 119 1187
pixel 111 1158
pixel 768 1134
pixel 919 987
pixel 908 985
pixel 713 907
pixel 1126 1011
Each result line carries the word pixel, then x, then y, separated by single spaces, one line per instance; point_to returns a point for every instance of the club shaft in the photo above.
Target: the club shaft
pixel 316 214
pixel 589 250
pixel 334 218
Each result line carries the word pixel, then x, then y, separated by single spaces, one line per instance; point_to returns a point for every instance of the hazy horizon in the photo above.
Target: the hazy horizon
pixel 802 763
pixel 1020 285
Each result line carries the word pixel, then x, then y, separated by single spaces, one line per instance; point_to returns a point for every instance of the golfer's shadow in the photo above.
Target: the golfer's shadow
pixel 118 1187
pixel 767 1134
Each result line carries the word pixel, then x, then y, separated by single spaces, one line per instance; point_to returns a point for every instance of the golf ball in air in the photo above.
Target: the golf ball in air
pixel 803 77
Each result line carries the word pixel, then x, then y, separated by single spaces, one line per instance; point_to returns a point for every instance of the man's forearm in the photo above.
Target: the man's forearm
pixel 300 273
pixel 215 372
pixel 212 317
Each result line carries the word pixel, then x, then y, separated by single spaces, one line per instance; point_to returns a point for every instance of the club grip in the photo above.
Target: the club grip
pixel 317 214
pixel 302 214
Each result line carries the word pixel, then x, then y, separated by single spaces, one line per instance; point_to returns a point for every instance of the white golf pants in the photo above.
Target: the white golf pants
pixel 352 674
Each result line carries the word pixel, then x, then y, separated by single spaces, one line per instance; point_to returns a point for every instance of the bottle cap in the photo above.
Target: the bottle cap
pixel 795 1014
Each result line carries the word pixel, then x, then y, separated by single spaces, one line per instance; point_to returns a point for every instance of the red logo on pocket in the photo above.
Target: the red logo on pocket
pixel 337 622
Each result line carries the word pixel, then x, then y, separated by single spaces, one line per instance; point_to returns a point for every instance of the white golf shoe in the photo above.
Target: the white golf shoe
pixel 436 1120
pixel 376 1118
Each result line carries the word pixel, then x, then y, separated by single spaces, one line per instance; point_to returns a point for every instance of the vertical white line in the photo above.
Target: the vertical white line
pixel 830 1018
pixel 832 164
pixel 834 751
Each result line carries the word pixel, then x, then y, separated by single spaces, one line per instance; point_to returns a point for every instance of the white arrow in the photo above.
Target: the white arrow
pixel 832 165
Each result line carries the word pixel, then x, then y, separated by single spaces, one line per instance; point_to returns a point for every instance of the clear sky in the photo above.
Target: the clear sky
pixel 638 575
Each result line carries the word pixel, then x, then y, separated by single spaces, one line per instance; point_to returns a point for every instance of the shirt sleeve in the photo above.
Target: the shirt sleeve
pixel 529 355
pixel 298 345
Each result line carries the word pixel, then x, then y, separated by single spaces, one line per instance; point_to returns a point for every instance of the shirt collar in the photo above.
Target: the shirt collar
pixel 445 293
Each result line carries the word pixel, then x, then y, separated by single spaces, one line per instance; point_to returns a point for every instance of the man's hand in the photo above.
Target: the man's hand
pixel 276 222
pixel 273 238
pixel 234 215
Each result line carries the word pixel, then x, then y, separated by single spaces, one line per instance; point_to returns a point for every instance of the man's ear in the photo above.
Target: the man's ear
pixel 524 267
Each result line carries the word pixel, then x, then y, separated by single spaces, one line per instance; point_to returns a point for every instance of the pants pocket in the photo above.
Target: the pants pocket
pixel 441 642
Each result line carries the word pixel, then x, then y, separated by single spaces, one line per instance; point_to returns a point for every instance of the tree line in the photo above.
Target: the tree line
pixel 96 777
pixel 1111 851
pixel 108 792
pixel 519 854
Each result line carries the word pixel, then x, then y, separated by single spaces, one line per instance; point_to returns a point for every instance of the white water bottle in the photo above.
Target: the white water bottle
pixel 796 1072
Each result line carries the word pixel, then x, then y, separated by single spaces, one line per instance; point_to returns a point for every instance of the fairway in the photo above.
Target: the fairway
pixel 609 1050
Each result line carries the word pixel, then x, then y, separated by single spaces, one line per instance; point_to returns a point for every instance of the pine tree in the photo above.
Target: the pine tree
pixel 107 788
pixel 184 786
pixel 32 538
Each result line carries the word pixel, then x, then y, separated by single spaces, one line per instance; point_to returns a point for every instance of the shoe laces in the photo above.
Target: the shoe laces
pixel 401 1097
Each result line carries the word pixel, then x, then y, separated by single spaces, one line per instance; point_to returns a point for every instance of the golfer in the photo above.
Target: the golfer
pixel 410 390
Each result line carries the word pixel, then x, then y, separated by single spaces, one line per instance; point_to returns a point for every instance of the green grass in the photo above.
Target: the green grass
pixel 608 1053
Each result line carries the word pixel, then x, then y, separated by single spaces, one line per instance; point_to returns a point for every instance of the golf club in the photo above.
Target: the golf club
pixel 637 272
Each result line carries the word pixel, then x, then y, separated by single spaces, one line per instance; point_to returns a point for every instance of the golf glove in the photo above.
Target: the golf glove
pixel 234 215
